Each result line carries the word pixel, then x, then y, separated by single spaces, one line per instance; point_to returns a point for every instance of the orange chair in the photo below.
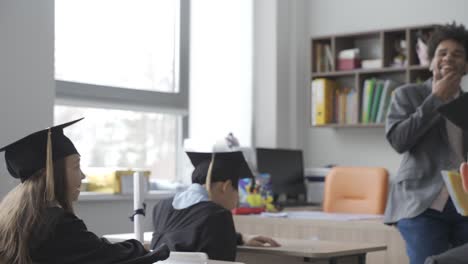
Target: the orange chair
pixel 360 190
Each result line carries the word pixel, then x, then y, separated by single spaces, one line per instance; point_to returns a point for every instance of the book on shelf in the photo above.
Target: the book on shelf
pixel 379 84
pixel 341 96
pixel 323 57
pixel 334 104
pixel 318 58
pixel 376 96
pixel 453 182
pixel 352 114
pixel 368 92
pixel 330 61
pixel 388 88
pixel 322 100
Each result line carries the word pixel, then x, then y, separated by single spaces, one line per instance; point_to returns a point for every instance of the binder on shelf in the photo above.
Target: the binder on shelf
pixel 322 101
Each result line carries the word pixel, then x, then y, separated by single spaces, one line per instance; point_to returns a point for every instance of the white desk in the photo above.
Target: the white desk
pixel 292 250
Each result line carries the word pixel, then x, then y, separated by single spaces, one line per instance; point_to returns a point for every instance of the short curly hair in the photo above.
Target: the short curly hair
pixel 452 31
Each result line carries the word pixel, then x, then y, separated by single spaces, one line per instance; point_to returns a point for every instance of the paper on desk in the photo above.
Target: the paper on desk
pixel 279 215
pixel 322 216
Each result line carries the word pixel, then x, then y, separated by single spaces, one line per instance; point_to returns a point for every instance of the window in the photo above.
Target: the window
pixel 221 68
pixel 124 139
pixel 120 43
pixel 123 65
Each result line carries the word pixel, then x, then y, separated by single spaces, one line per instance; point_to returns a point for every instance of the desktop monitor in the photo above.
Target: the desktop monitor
pixel 286 169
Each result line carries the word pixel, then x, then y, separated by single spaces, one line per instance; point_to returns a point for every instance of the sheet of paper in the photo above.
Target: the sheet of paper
pixel 317 215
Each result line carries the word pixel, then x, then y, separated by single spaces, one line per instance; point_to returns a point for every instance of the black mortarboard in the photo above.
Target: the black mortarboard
pixel 457 111
pixel 226 166
pixel 29 154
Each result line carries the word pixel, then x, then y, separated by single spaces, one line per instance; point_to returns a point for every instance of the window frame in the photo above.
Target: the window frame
pixel 176 103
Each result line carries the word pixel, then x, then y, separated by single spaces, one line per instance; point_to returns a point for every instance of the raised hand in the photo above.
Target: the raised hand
pixel 445 86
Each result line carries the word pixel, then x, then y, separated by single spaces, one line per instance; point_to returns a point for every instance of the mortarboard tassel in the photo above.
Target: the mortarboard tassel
pixel 50 190
pixel 209 175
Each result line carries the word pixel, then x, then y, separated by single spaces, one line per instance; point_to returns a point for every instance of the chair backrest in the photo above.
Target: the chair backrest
pixel 360 190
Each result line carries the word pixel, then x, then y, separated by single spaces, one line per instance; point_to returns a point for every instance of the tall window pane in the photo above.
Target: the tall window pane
pixel 122 43
pixel 125 139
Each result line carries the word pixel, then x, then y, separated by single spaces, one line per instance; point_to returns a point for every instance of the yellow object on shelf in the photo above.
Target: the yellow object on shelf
pixel 322 101
pixel 113 181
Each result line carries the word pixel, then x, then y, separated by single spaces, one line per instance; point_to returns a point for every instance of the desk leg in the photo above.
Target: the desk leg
pixel 361 259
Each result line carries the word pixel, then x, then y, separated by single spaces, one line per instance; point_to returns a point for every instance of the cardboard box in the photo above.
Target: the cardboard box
pixel 113 181
pixel 348 64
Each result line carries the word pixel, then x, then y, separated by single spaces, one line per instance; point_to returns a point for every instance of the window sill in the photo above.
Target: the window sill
pixel 152 195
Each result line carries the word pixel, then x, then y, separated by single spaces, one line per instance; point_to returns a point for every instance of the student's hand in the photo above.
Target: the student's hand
pixel 464 175
pixel 447 86
pixel 261 241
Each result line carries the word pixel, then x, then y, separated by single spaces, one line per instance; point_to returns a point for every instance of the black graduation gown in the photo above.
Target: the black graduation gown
pixel 202 227
pixel 63 238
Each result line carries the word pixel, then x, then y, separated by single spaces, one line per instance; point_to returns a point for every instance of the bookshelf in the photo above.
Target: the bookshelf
pixel 353 61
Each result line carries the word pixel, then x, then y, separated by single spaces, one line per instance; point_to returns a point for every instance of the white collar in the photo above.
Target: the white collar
pixel 194 194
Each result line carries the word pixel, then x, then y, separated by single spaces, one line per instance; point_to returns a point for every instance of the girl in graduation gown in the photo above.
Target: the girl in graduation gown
pixel 199 219
pixel 37 221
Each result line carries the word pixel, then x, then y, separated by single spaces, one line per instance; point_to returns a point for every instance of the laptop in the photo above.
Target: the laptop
pixel 286 169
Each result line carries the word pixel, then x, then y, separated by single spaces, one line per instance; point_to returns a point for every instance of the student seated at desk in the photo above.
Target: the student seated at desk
pixel 199 219
pixel 37 221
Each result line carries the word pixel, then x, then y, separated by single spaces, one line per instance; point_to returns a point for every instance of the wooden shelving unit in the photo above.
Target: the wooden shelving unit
pixel 378 44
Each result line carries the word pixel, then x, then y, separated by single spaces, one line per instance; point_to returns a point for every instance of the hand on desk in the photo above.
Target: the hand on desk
pixel 260 241
pixel 464 175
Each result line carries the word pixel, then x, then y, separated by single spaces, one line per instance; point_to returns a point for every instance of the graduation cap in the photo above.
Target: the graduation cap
pixel 222 166
pixel 457 111
pixel 37 151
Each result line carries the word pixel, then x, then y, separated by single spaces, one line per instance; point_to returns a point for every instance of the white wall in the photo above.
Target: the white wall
pixel 26 72
pixel 264 73
pixel 367 146
pixel 279 41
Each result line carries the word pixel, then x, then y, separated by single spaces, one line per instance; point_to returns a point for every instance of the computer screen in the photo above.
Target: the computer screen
pixel 286 169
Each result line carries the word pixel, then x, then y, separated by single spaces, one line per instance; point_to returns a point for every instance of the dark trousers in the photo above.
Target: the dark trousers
pixel 433 232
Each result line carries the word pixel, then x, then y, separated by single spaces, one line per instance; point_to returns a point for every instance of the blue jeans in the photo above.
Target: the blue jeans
pixel 433 232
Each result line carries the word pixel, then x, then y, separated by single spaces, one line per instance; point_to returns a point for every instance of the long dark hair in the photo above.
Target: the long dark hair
pixel 23 208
